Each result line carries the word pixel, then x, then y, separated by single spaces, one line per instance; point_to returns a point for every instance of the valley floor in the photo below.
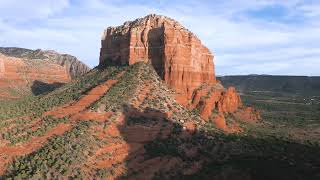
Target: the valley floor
pixel 292 116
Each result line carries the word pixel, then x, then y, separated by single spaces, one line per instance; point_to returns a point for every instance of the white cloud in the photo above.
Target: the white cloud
pixel 310 10
pixel 241 43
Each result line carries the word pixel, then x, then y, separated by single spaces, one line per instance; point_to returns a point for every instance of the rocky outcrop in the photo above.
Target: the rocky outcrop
pixel 248 114
pixel 230 101
pixel 73 66
pixel 218 100
pixel 179 58
pixel 25 71
pixel 220 121
pixel 20 76
pixel 177 55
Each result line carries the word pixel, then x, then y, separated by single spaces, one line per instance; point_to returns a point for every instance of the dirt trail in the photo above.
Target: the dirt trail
pixel 80 106
pixel 113 154
pixel 76 111
pixel 142 94
pixel 32 125
pixel 90 115
pixel 118 150
pixel 84 102
pixel 7 153
pixel 7 96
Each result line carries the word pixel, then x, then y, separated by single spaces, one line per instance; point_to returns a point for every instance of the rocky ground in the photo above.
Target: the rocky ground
pixel 126 124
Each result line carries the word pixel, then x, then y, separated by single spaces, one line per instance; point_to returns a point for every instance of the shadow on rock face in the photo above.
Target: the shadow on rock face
pixel 140 131
pixel 156 50
pixel 156 147
pixel 150 144
pixel 39 87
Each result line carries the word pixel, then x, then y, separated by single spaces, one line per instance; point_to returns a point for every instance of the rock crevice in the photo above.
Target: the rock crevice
pixel 176 54
pixel 178 57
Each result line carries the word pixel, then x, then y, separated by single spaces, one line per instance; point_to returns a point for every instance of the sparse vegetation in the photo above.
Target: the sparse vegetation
pixel 60 157
pixel 23 132
pixel 121 92
pixel 116 146
pixel 34 106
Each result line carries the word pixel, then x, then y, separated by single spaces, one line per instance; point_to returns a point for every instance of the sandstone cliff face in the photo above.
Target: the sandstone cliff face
pixel 180 60
pixel 177 55
pixel 230 101
pixel 20 76
pixel 73 66
pixel 215 99
pixel 25 71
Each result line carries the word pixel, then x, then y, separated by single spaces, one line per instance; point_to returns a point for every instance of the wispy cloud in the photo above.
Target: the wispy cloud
pixel 246 36
pixel 16 10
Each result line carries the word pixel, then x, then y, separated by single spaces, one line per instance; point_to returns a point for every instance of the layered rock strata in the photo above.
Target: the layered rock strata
pixel 179 58
pixel 19 76
pixel 73 66
pixel 25 71
pixel 176 54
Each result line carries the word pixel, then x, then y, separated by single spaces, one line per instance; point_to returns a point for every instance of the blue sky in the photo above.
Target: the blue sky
pixel 246 36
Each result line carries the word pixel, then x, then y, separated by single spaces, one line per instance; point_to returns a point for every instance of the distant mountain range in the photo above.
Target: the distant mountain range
pixel 73 65
pixel 289 84
pixel 25 71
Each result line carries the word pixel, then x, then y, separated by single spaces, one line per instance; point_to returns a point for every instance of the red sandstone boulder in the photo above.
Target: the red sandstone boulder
pixel 230 101
pixel 220 121
pixel 208 104
pixel 215 97
pixel 190 127
pixel 248 114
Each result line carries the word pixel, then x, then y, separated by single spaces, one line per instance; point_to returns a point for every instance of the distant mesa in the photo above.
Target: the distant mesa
pixel 22 70
pixel 73 65
pixel 178 57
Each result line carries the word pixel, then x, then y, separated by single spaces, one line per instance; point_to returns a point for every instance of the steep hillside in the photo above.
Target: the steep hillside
pixel 181 61
pixel 123 122
pixel 24 72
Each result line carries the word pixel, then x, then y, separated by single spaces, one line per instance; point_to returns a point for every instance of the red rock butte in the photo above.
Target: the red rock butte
pixel 177 55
